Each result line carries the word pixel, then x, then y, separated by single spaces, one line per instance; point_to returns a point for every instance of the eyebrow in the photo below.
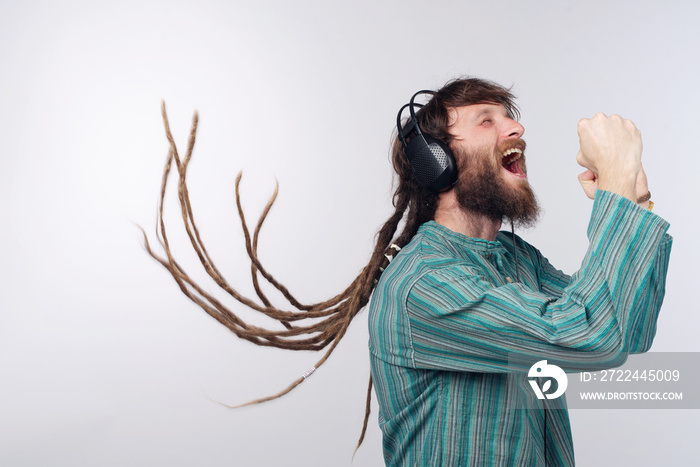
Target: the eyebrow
pixel 484 112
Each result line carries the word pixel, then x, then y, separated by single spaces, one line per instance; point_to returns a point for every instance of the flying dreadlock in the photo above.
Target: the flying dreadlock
pixel 321 325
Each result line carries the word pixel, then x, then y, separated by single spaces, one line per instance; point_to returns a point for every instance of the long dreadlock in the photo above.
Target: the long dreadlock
pixel 320 325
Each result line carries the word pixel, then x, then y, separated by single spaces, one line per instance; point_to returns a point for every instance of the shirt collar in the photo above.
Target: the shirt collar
pixel 432 228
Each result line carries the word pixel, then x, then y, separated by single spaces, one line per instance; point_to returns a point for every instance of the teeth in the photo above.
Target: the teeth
pixel 511 151
pixel 511 155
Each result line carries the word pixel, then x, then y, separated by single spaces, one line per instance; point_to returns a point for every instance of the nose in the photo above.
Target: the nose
pixel 513 129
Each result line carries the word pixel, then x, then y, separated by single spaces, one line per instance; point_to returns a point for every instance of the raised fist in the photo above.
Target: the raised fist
pixel 611 148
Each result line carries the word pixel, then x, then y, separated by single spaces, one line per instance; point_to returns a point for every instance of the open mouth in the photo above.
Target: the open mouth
pixel 511 159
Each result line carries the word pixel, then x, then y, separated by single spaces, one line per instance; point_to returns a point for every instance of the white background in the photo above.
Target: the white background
pixel 104 362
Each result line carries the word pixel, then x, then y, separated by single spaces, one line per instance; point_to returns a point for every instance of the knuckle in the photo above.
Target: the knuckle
pixel 632 128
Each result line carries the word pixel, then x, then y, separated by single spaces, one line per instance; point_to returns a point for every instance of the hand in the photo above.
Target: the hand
pixel 610 148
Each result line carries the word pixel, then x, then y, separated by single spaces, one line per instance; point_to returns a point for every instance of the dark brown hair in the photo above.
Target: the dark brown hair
pixel 320 325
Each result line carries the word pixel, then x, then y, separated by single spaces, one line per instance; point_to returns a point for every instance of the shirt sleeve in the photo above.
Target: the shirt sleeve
pixel 459 320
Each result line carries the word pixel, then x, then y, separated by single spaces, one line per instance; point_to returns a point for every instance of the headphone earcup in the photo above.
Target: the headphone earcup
pixel 432 162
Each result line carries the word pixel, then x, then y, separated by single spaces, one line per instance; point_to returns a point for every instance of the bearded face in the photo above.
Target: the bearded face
pixel 493 183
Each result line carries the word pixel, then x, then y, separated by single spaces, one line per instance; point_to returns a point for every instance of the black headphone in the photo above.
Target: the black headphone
pixel 431 160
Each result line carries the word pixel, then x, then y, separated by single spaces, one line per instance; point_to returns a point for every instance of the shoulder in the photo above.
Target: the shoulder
pixel 430 252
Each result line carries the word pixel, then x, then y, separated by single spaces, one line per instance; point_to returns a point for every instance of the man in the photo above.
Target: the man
pixel 459 315
pixel 461 301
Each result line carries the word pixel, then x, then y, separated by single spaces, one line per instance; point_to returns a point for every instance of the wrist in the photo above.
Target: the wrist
pixel 623 185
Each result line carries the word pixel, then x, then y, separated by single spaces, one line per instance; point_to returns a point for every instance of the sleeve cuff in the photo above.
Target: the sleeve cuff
pixel 618 223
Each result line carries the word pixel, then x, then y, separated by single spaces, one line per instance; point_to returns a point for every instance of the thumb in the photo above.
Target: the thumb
pixel 589 183
pixel 586 177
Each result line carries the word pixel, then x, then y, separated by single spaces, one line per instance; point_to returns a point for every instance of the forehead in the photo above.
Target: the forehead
pixel 475 112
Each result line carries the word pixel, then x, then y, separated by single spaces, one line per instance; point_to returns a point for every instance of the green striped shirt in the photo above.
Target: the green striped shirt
pixel 445 322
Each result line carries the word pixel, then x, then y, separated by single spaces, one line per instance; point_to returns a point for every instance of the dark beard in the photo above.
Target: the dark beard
pixel 481 189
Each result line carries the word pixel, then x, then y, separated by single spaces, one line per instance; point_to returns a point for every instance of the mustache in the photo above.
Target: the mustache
pixel 512 143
